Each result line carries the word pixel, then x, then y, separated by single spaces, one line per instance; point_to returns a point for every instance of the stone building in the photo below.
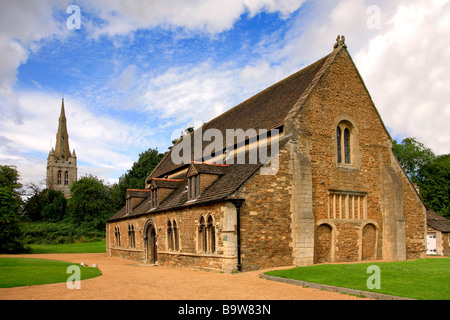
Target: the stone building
pixel 438 234
pixel 328 190
pixel 61 163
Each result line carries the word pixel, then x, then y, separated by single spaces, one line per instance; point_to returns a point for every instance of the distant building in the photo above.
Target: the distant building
pixel 438 234
pixel 61 163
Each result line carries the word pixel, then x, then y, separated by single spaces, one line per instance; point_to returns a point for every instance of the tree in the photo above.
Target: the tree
pixel 431 173
pixel 54 208
pixel 11 236
pixel 412 156
pixel 90 203
pixel 47 205
pixel 135 177
pixel 433 180
pixel 9 177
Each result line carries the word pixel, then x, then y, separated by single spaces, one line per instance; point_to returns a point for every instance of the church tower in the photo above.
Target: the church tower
pixel 61 163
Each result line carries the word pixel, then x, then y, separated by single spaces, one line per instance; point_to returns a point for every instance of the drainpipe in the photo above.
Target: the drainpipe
pixel 238 204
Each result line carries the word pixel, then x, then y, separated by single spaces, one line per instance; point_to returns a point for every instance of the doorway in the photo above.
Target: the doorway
pixel 152 244
pixel 431 243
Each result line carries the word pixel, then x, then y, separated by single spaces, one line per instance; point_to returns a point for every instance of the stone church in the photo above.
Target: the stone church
pixel 335 194
pixel 61 163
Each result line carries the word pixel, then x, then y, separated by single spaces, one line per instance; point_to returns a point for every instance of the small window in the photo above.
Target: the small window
pixel 169 235
pixel 131 237
pixel 339 149
pixel 117 237
pixel 66 178
pixel 211 235
pixel 59 178
pixel 194 186
pixel 172 236
pixel 154 198
pixel 347 145
pixel 202 235
pixel 344 142
pixel 175 236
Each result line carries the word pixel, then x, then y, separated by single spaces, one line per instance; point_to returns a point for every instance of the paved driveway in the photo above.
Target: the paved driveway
pixel 123 279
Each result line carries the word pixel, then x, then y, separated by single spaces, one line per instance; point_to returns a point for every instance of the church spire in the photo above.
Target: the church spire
pixel 62 150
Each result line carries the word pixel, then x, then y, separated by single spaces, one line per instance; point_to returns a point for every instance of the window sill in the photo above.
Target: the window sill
pixel 347 166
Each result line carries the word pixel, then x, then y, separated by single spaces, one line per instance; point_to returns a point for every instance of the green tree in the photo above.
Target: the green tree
pixel 90 204
pixel 9 177
pixel 46 205
pixel 135 177
pixel 433 180
pixel 11 235
pixel 412 156
pixel 54 208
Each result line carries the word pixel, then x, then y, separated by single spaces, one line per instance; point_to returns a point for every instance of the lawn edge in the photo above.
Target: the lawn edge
pixel 326 287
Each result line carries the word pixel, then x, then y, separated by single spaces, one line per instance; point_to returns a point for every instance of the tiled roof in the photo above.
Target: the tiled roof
pixel 437 221
pixel 266 110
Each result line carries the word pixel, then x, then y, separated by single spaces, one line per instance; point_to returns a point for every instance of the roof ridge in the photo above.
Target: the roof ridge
pixel 210 164
pixel 300 102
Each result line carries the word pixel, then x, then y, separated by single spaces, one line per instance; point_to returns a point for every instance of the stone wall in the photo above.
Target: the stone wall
pixel 189 254
pixel 266 237
pixel 391 204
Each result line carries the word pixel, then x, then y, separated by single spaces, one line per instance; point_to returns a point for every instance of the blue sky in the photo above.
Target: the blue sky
pixel 138 72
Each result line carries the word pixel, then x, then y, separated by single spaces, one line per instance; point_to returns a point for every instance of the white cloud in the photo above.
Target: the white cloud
pixel 210 16
pixel 191 92
pixel 404 66
pixel 103 145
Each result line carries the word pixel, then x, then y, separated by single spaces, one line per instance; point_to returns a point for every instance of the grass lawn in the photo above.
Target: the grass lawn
pixel 15 272
pixel 425 279
pixel 90 247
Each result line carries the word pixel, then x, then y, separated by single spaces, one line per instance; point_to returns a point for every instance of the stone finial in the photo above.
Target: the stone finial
pixel 340 42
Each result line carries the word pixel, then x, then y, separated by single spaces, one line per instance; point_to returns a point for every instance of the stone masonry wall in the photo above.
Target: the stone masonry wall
pixel 189 255
pixel 266 238
pixel 341 96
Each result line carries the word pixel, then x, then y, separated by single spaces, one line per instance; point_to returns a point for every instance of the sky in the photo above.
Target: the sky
pixel 134 74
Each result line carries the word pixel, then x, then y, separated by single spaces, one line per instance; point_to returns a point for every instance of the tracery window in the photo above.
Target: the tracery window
pixel 59 177
pixel 206 235
pixel 202 235
pixel 173 242
pixel 117 236
pixel 66 178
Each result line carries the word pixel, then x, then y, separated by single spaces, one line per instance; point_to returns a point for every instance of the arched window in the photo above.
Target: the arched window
pixel 175 236
pixel 344 142
pixel 339 149
pixel 202 235
pixel 169 235
pixel 347 145
pixel 66 178
pixel 59 178
pixel 117 236
pixel 211 235
pixel 131 237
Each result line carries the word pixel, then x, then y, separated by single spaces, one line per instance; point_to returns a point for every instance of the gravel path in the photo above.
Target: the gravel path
pixel 124 279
